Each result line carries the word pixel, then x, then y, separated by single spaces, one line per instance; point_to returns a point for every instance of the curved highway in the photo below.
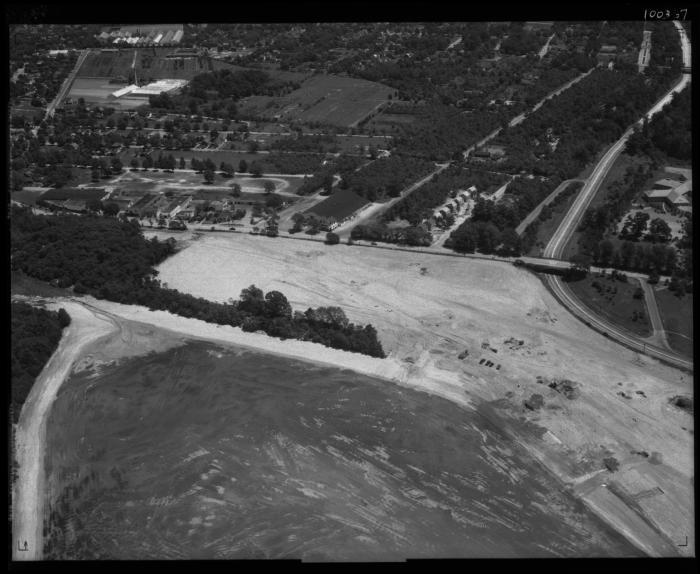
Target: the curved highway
pixel 559 240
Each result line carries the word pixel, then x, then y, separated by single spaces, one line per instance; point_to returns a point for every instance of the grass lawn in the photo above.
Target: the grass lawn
pixel 614 301
pixel 677 316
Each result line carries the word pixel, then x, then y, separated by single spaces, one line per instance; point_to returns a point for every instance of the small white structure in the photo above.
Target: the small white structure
pixel 123 91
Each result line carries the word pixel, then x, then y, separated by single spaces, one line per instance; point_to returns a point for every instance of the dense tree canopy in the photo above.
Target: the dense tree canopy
pixel 110 259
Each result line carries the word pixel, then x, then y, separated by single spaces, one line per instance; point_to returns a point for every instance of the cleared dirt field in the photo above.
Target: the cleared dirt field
pixel 429 310
pixel 329 99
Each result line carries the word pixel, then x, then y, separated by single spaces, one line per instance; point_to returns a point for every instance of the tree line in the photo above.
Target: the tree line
pixel 566 133
pixel 385 177
pixel 669 132
pixel 628 252
pixel 442 132
pixel 110 259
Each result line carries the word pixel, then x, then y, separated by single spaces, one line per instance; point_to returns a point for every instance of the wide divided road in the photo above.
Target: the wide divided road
pixel 66 84
pixel 559 240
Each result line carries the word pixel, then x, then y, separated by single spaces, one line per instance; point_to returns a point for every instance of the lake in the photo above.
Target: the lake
pixel 217 453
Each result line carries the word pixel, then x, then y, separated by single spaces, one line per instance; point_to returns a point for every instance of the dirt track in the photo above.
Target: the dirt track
pixel 29 491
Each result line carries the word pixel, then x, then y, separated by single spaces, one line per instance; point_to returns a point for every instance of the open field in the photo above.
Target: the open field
pixel 329 99
pixel 614 301
pixel 425 319
pixel 677 316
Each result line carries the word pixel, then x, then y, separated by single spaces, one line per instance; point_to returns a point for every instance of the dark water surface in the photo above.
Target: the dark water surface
pixel 202 452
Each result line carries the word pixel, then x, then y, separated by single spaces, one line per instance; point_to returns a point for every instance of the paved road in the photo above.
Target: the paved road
pixel 685 44
pixel 560 238
pixel 644 52
pixel 68 82
pixel 519 118
pixel 543 52
pixel 562 292
pixel 546 201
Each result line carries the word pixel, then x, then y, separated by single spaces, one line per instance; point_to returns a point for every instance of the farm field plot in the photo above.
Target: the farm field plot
pixel 97 91
pixel 150 63
pixel 281 75
pixel 387 122
pixel 328 99
pixel 100 64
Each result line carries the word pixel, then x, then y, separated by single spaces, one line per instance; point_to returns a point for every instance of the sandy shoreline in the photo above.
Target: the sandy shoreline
pixel 427 311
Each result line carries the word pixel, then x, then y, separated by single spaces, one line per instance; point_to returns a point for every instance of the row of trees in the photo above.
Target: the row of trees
pixel 36 333
pixel 529 236
pixel 415 236
pixel 668 133
pixel 590 114
pixel 319 143
pixel 385 177
pixel 110 259
pixel 442 132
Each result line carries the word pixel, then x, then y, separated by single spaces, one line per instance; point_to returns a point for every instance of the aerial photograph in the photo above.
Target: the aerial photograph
pixel 344 291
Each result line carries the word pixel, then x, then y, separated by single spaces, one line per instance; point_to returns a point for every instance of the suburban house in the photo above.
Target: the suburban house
pixel 607 54
pixel 494 152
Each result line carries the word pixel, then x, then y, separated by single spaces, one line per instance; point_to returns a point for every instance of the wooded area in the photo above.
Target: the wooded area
pixel 110 259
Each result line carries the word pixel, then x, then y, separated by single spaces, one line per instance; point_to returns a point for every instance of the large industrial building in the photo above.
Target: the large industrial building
pixel 152 89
